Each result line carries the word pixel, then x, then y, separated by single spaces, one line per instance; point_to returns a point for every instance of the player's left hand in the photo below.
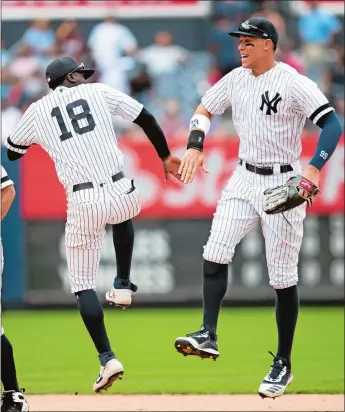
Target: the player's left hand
pixel 171 165
pixel 311 173
pixel 189 165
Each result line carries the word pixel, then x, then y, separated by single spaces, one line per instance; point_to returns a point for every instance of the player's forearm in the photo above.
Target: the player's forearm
pixel 199 127
pixel 328 141
pixel 7 196
pixel 154 132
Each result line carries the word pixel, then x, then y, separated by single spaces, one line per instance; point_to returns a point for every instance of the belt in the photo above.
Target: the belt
pixel 90 185
pixel 265 170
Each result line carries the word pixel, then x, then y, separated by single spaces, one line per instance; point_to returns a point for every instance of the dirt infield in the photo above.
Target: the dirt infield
pixel 185 403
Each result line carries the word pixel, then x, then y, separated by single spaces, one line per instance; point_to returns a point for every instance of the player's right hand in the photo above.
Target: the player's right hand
pixel 189 165
pixel 171 165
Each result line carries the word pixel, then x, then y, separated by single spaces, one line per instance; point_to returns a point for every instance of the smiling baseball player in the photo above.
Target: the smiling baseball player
pixel 270 102
pixel 73 125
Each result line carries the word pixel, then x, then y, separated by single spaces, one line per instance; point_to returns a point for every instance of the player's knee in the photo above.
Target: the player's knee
pixel 213 268
pixel 284 282
pixel 220 255
pixel 89 305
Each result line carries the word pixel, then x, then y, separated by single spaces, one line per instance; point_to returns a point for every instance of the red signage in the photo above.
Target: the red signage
pixel 23 10
pixel 43 197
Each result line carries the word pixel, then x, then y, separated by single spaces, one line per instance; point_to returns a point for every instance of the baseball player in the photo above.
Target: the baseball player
pixel 12 398
pixel 73 125
pixel 270 102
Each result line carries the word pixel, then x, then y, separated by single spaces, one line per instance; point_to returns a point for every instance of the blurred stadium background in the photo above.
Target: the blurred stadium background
pixel 166 54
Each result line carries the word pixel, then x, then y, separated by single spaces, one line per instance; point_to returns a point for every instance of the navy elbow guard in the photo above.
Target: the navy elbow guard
pixel 328 140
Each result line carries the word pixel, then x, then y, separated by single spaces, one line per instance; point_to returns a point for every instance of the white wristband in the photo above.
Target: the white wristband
pixel 200 122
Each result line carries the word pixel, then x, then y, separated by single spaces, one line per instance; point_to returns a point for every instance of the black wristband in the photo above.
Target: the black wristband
pixel 196 140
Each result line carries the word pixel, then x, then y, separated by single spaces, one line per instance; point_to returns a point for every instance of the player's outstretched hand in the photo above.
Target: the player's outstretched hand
pixel 189 165
pixel 171 165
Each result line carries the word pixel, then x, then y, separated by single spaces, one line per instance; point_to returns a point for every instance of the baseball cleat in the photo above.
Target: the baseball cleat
pixel 277 380
pixel 121 293
pixel 109 373
pixel 198 344
pixel 12 401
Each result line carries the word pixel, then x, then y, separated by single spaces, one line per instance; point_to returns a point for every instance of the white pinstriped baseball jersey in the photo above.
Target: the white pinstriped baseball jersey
pixel 269 111
pixel 74 126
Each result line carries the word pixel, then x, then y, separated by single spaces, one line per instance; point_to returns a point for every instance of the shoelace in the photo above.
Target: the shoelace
pixel 201 331
pixel 276 368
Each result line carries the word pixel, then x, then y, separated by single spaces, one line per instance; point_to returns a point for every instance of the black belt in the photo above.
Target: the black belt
pixel 266 170
pixel 89 185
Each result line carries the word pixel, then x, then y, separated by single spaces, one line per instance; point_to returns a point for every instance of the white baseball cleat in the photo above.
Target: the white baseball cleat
pixel 120 297
pixel 121 294
pixel 108 374
pixel 277 380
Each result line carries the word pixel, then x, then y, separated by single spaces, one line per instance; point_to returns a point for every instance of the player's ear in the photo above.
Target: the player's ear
pixel 268 44
pixel 71 78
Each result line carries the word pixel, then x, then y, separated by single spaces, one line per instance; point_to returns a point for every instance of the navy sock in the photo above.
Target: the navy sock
pixel 287 306
pixel 123 238
pixel 8 367
pixel 92 314
pixel 214 288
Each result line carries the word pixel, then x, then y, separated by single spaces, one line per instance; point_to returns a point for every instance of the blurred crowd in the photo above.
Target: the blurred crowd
pixel 166 77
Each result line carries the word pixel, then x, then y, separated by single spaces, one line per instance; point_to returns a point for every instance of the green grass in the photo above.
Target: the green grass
pixel 55 355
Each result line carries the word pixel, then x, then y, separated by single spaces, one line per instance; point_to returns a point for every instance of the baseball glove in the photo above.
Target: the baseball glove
pixel 296 191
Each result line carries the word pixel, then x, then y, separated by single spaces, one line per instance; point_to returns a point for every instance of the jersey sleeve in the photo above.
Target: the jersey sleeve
pixel 121 104
pixel 217 99
pixel 5 180
pixel 308 99
pixel 24 134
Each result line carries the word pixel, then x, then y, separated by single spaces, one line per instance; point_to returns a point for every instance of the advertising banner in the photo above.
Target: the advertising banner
pixel 84 9
pixel 42 196
pixel 167 263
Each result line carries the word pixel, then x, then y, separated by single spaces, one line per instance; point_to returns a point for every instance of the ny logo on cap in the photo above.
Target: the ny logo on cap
pixel 270 104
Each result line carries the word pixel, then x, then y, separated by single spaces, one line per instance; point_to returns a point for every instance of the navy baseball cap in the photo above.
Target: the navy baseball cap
pixel 62 66
pixel 257 27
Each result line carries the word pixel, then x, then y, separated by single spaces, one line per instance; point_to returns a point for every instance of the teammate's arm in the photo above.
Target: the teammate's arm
pixel 153 131
pixel 215 102
pixel 7 196
pixel 130 109
pixel 7 193
pixel 23 136
pixel 309 100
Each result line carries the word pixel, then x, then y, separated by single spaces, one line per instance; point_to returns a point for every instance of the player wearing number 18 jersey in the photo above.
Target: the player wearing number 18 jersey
pixel 73 125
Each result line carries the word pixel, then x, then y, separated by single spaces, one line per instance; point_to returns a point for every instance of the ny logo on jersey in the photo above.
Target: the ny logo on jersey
pixel 270 104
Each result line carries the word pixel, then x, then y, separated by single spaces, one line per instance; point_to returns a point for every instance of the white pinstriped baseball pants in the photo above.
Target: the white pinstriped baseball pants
pixel 238 211
pixel 88 212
